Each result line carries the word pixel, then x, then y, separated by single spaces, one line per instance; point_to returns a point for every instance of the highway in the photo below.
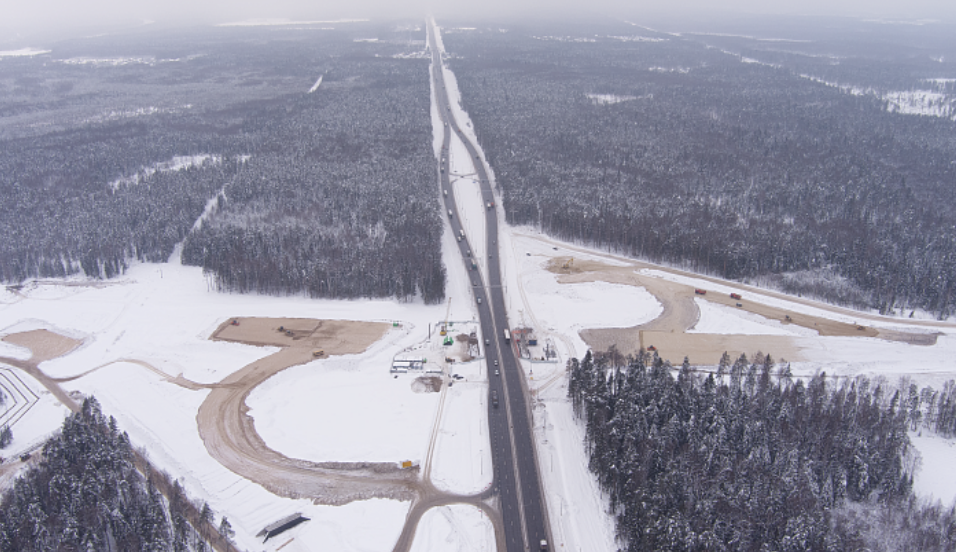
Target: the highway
pixel 516 479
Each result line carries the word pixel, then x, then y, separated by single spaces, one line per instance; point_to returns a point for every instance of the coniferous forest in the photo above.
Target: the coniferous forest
pixel 814 155
pixel 307 153
pixel 86 494
pixel 751 458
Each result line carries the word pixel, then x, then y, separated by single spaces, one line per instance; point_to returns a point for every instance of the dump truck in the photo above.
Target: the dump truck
pixel 700 291
pixel 735 296
pixel 318 352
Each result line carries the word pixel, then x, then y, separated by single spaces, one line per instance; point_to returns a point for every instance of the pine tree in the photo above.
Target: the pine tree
pixel 6 436
pixel 225 529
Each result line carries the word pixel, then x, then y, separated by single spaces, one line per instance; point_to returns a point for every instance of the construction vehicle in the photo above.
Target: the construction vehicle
pixel 318 352
pixel 568 264
pixel 735 296
pixel 700 291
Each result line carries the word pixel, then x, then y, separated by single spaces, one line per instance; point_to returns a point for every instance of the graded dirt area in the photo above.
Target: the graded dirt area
pixel 229 433
pixel 44 344
pixel 335 337
pixel 667 332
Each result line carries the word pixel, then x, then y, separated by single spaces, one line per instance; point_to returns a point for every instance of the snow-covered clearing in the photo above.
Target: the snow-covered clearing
pixel 721 319
pixel 23 52
pixel 931 103
pixel 177 163
pixel 936 479
pixel 454 528
pixel 609 99
pixel 163 315
pixel 345 409
pixel 115 61
pixel 317 84
pixel 462 452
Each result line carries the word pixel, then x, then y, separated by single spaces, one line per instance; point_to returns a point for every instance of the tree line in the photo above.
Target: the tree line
pixel 330 193
pixel 751 458
pixel 677 152
pixel 86 494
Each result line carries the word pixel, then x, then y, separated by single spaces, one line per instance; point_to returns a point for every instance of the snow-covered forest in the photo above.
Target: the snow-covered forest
pixel 111 148
pixel 752 458
pixel 86 494
pixel 720 153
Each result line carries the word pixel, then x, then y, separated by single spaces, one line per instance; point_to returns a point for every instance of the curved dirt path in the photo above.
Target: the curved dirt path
pixel 229 433
pixel 668 332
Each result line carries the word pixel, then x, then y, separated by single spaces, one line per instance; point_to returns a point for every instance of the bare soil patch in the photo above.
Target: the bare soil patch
pixel 44 344
pixel 335 337
pixel 701 349
pixel 668 334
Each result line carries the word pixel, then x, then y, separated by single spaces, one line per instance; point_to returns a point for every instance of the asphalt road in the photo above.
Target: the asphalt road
pixel 515 467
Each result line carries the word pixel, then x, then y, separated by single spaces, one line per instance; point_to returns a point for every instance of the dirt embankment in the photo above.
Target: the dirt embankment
pixel 668 332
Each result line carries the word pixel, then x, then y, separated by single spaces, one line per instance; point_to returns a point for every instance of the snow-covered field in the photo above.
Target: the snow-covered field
pixel 455 528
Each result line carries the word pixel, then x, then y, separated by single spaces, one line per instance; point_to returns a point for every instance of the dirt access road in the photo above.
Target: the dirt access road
pixel 229 432
pixel 668 332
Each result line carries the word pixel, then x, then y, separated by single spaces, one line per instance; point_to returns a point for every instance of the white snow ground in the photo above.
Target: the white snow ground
pixel 454 528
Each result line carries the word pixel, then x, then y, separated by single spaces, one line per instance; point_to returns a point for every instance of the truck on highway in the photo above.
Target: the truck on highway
pixel 544 545
pixel 507 335
pixel 450 214
pixel 494 399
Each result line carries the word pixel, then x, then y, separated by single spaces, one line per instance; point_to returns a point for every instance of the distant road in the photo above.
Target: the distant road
pixel 516 478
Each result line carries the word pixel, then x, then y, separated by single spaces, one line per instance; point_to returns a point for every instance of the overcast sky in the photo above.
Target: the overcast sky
pixel 25 17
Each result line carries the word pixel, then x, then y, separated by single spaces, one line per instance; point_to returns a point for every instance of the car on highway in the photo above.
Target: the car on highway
pixel 496 363
pixel 496 373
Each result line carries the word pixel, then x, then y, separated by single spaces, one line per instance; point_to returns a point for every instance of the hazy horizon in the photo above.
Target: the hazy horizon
pixel 53 19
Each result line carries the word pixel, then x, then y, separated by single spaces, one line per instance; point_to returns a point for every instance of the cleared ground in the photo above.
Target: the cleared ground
pixel 229 434
pixel 668 332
